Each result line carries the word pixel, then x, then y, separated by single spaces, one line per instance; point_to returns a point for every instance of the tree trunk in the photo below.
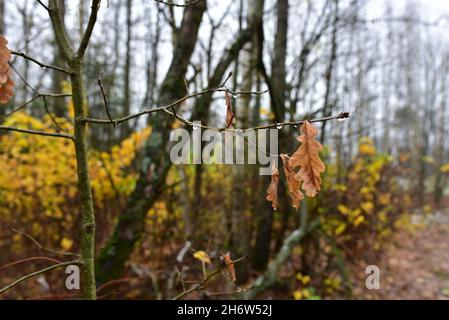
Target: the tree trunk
pixel 265 213
pixel 126 129
pixel 156 159
pixel 75 62
pixel 240 238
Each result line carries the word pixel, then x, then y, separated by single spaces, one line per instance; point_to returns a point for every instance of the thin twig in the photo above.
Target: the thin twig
pixel 106 103
pixel 189 3
pixel 36 273
pixel 41 247
pixel 90 28
pixel 11 264
pixel 203 283
pixel 39 133
pixel 167 107
pixel 41 64
pixel 53 119
pixel 39 95
pixel 42 4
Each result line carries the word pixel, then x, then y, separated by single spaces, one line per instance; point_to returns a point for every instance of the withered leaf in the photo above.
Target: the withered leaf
pixel 6 82
pixel 293 182
pixel 272 192
pixel 230 265
pixel 306 157
pixel 229 113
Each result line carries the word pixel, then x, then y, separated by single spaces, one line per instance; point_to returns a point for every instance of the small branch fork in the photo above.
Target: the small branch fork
pixel 188 3
pixel 170 110
pixel 36 96
pixel 57 263
pixel 202 284
pixel 36 273
pixel 40 64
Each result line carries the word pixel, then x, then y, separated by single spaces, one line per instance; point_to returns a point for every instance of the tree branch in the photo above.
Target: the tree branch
pixel 167 107
pixel 105 100
pixel 59 30
pixel 39 133
pixel 189 3
pixel 89 29
pixel 36 273
pixel 40 64
pixel 203 283
pixel 41 247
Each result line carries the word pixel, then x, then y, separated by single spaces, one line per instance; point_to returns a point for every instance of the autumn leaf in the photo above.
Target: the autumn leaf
pixel 272 192
pixel 230 265
pixel 6 82
pixel 66 243
pixel 294 184
pixel 306 157
pixel 202 256
pixel 229 113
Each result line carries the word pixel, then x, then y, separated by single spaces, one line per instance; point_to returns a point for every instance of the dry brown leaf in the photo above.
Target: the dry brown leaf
pixel 6 82
pixel 294 184
pixel 230 265
pixel 229 113
pixel 5 56
pixel 7 91
pixel 306 157
pixel 272 192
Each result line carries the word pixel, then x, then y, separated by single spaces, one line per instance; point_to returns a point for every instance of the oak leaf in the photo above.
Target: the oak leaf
pixel 293 182
pixel 6 82
pixel 306 157
pixel 229 113
pixel 272 192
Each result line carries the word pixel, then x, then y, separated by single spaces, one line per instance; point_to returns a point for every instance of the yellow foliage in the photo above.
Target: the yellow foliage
pixel 66 244
pixel 297 294
pixel 367 207
pixel 428 159
pixel 444 168
pixel 359 220
pixel 366 147
pixel 343 209
pixel 38 177
pixel 303 279
pixel 202 256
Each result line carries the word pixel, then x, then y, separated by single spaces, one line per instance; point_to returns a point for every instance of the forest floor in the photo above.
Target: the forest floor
pixel 416 266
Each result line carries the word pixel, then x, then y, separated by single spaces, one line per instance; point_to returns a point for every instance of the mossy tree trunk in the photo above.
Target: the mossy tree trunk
pixel 156 160
pixel 74 60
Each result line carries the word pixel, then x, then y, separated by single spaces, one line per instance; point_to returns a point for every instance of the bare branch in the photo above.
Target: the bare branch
pixel 168 107
pixel 202 284
pixel 39 133
pixel 42 248
pixel 40 64
pixel 60 31
pixel 39 95
pixel 90 28
pixel 11 264
pixel 189 3
pixel 42 4
pixel 105 100
pixel 36 273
